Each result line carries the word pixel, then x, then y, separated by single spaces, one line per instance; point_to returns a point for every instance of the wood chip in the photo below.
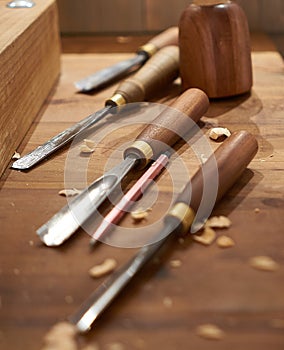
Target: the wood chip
pixel 88 146
pixel 100 270
pixel 218 222
pixel 225 242
pixel 69 192
pixel 168 302
pixel 175 263
pixel 61 336
pixel 16 155
pixel 140 214
pixel 264 263
pixel 256 210
pixel 216 133
pixel 207 236
pixel 210 331
pixel 115 346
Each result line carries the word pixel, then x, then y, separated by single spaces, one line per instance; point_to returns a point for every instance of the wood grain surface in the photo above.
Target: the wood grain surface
pixel 29 67
pixel 164 305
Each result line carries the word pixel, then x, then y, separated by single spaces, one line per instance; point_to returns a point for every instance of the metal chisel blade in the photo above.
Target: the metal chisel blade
pixel 56 142
pixel 64 223
pixel 110 74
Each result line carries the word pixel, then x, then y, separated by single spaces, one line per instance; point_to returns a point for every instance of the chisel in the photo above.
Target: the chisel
pixel 120 209
pixel 157 73
pixel 229 160
pixel 108 75
pixel 173 123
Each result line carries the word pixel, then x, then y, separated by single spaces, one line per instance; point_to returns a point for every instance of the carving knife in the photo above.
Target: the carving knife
pixel 155 139
pixel 110 74
pixel 157 73
pixel 230 160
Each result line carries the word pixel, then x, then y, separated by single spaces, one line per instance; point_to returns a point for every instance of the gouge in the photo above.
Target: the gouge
pixel 157 73
pixel 156 138
pixel 229 160
pixel 110 74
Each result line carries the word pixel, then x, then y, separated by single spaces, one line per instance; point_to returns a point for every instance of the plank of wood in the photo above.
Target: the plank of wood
pixel 29 67
pixel 164 305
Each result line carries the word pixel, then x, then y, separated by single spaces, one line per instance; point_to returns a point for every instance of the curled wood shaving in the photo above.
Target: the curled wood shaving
pixel 264 263
pixel 88 146
pixel 115 346
pixel 168 302
pixel 140 214
pixel 216 133
pixel 69 192
pixel 218 222
pixel 16 155
pixel 225 242
pixel 175 263
pixel 207 236
pixel 210 331
pixel 61 336
pixel 106 267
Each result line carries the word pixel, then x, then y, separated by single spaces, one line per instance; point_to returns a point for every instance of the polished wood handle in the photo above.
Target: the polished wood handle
pixel 158 72
pixel 230 160
pixel 173 123
pixel 166 38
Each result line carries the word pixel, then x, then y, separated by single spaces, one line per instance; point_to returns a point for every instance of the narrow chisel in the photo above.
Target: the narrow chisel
pixel 173 123
pixel 127 200
pixel 229 160
pixel 157 73
pixel 108 75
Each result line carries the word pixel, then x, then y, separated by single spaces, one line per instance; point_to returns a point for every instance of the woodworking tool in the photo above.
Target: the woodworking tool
pixel 108 75
pixel 173 123
pixel 158 72
pixel 131 196
pixel 231 158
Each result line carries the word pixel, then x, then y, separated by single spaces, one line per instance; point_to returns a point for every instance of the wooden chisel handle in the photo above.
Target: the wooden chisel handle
pixel 229 160
pixel 170 125
pixel 158 72
pixel 166 38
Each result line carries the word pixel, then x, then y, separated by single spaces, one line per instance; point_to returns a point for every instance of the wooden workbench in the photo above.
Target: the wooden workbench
pixel 41 286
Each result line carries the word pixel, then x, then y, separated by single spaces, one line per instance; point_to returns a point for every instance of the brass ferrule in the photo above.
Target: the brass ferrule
pixel 149 48
pixel 184 214
pixel 116 100
pixel 143 151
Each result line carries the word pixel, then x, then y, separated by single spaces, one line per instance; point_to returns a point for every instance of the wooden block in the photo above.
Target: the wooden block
pixel 29 67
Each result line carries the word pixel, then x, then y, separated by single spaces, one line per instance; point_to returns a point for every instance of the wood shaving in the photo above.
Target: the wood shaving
pixel 175 263
pixel 140 214
pixel 210 331
pixel 61 336
pixel 115 346
pixel 88 146
pixel 225 242
pixel 216 133
pixel 106 267
pixel 264 263
pixel 256 210
pixel 168 302
pixel 207 236
pixel 16 155
pixel 69 192
pixel 218 222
